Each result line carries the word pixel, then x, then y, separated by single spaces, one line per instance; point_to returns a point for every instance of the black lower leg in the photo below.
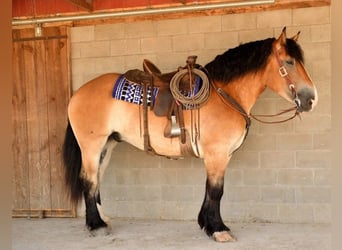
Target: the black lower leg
pixel 93 218
pixel 209 217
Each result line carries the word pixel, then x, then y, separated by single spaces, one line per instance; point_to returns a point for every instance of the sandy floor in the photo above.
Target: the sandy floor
pixel 64 234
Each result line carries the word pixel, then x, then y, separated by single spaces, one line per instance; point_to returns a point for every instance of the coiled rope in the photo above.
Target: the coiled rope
pixel 195 100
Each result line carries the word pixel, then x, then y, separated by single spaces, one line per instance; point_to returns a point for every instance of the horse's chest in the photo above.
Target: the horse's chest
pixel 236 144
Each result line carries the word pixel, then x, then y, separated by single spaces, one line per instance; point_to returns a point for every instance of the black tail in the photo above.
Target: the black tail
pixel 72 162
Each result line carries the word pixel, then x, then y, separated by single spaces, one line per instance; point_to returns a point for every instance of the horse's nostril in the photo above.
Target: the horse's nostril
pixel 310 102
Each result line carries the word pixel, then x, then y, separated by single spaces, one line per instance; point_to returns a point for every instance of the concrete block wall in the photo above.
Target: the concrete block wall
pixel 282 172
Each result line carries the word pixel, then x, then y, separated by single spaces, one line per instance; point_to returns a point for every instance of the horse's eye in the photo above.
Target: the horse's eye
pixel 290 62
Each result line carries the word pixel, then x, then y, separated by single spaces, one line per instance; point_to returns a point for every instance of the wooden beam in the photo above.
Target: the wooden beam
pixel 86 4
pixel 278 5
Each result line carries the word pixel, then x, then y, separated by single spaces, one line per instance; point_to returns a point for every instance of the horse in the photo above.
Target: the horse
pixel 97 122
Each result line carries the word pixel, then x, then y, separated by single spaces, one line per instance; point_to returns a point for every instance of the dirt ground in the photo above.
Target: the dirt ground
pixel 127 234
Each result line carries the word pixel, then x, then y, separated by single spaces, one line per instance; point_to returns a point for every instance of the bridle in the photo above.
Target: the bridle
pixel 234 104
pixel 284 74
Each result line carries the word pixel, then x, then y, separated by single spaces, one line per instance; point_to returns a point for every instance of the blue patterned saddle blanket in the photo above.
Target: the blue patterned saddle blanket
pixel 128 91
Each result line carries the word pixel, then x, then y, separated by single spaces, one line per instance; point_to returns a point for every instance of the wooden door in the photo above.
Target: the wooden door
pixel 41 91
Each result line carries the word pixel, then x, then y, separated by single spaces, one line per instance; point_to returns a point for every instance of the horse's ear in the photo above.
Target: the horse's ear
pixel 282 38
pixel 295 37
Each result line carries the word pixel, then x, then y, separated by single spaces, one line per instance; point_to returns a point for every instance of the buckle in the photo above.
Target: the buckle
pixel 283 71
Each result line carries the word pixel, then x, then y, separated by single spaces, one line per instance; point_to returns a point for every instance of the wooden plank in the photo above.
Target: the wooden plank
pixel 38 143
pixel 59 91
pixel 20 182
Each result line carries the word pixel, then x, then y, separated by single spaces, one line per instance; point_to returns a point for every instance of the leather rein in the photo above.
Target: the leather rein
pixel 234 104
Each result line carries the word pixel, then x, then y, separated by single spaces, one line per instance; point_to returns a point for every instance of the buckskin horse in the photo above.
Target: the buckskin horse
pixel 97 122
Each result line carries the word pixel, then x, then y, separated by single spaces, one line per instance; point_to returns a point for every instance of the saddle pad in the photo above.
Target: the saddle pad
pixel 132 92
pixel 128 91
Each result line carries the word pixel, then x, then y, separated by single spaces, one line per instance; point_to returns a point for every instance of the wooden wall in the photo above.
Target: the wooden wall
pixel 41 91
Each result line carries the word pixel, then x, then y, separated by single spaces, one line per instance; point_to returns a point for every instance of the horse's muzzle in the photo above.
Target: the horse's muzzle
pixel 306 99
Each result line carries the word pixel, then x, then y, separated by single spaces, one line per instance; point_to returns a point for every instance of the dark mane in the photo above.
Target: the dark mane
pixel 247 58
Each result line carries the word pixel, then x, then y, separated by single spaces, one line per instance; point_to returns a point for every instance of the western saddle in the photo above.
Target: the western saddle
pixel 165 104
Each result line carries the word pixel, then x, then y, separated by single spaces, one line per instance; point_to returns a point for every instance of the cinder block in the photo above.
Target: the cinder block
pixel 180 163
pixel 259 177
pixel 79 65
pixel 244 159
pixel 313 123
pixel 313 159
pixel 191 176
pixel 171 27
pixel 310 16
pixel 297 213
pixel 156 44
pixel 243 194
pixel 206 24
pixel 82 34
pixel 280 18
pixel 322 213
pixel 234 211
pixel 316 51
pixel 277 159
pixel 188 42
pixel 109 64
pixel 76 50
pixel 148 176
pixel 234 177
pixel 125 47
pixel 140 29
pixel 121 176
pixel 321 33
pixel 322 177
pixel 322 141
pixel 169 176
pixel 222 40
pixel 143 160
pixel 262 213
pixel 239 22
pixel 95 49
pixel 246 36
pixel 321 71
pixel 299 177
pixel 293 142
pixel 110 31
pixel 313 195
pixel 143 210
pixel 177 193
pixel 260 142
pixel 277 194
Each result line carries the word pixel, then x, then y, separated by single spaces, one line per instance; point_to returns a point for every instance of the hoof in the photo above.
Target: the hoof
pixel 104 231
pixel 223 236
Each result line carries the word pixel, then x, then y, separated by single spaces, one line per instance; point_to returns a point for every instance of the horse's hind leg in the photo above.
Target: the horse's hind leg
pixel 93 167
pixel 209 217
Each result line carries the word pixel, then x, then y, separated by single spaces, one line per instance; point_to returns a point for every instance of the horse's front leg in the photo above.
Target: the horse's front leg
pixel 209 217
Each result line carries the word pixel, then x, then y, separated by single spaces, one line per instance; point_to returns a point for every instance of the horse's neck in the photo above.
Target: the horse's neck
pixel 246 90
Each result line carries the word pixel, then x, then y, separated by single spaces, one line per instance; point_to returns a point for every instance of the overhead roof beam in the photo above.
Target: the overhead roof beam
pixel 86 4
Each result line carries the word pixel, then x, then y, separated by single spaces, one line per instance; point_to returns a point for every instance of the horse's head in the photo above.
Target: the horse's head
pixel 291 80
